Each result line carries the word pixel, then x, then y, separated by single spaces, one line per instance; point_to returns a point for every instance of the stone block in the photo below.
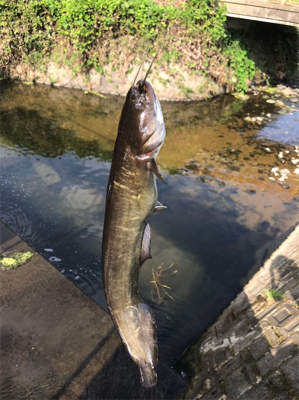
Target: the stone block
pixel 238 382
pixel 245 341
pixel 266 311
pixel 220 356
pixel 276 356
pixel 291 324
pixel 291 371
pixel 294 291
pixel 277 382
pixel 230 366
pixel 225 321
pixel 271 337
pixel 282 314
pixel 259 347
pixel 295 338
pixel 238 330
pixel 215 394
pixel 240 305
pixel 263 325
pixel 258 392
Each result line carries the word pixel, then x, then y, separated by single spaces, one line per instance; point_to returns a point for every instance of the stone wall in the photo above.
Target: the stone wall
pixel 252 352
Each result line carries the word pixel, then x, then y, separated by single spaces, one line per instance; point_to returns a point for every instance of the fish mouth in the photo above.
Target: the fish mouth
pixel 149 153
pixel 143 93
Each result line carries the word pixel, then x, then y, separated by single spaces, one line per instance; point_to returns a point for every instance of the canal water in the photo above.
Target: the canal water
pixel 227 208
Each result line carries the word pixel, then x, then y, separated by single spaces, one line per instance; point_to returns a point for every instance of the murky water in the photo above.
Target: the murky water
pixel 224 217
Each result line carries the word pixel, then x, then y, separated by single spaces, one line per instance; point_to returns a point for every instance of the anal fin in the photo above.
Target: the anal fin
pixel 146 244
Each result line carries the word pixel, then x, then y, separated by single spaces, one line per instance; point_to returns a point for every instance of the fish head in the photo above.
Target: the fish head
pixel 143 116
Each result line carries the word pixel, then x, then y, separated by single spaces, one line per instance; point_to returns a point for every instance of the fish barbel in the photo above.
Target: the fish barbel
pixel 131 198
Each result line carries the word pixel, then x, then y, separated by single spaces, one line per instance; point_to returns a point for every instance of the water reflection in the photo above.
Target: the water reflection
pixel 224 215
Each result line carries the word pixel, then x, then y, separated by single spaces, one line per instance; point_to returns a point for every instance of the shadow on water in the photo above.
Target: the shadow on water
pixel 223 219
pixel 119 379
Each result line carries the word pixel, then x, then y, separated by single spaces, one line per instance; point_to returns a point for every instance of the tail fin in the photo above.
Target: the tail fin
pixel 147 373
pixel 137 328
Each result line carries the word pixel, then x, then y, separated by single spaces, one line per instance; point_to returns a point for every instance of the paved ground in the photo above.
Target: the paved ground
pixel 56 343
pixel 252 351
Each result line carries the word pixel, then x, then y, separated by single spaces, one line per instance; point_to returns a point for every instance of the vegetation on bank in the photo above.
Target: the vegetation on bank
pixel 88 34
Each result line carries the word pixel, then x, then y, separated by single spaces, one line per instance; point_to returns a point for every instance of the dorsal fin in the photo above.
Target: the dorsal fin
pixel 152 165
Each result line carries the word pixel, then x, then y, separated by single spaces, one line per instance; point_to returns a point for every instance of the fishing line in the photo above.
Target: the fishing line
pixel 146 38
pixel 146 46
pixel 154 59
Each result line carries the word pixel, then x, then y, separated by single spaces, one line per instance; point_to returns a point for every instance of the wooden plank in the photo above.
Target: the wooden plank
pixel 262 11
pixel 271 21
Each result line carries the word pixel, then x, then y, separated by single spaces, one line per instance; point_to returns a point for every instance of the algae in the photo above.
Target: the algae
pixel 15 260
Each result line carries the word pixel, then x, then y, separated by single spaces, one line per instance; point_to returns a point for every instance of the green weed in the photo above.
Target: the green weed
pixel 15 260
pixel 274 294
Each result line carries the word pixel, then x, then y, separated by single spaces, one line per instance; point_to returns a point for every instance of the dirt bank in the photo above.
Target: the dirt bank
pixel 178 85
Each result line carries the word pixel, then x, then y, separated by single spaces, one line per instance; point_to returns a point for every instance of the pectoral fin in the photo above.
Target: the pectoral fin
pixel 158 208
pixel 152 165
pixel 146 244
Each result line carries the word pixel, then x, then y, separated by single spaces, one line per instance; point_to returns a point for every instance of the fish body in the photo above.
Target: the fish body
pixel 131 198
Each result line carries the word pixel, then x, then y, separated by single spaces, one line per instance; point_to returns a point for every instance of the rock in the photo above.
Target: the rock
pixel 271 90
pixel 294 161
pixel 294 100
pixel 194 166
pixel 280 155
pixel 267 150
pixel 241 96
pixel 268 115
pixel 271 179
pixel 248 119
pixel 284 185
pixel 274 169
pixel 270 101
pixel 262 88
pixel 279 103
pixel 296 171
pixel 287 91
pixel 260 118
pixel 284 174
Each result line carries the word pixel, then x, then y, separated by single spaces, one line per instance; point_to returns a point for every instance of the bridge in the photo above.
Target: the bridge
pixel 263 11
